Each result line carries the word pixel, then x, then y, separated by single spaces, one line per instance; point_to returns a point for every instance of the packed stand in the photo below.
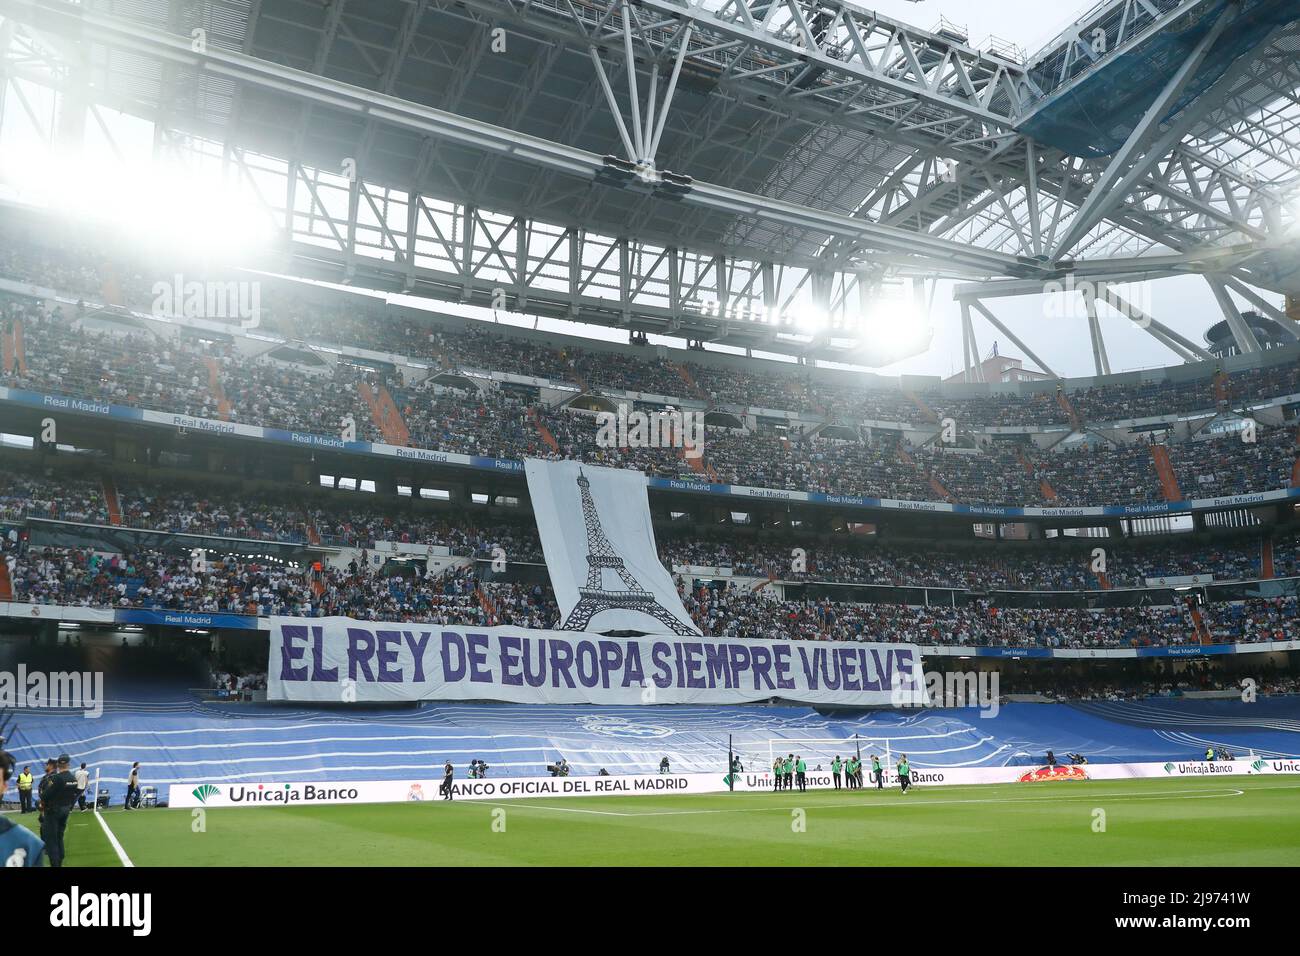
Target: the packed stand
pixel 156 580
pixel 1226 465
pixel 1085 476
pixel 731 612
pixel 65 354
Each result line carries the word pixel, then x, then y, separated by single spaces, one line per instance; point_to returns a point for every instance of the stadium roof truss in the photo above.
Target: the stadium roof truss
pixel 711 170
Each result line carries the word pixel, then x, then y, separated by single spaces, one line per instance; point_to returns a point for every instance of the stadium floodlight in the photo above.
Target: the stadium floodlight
pixel 157 204
pixel 813 319
pixel 894 327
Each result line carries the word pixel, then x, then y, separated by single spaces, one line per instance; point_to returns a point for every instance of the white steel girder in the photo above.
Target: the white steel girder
pixel 129 36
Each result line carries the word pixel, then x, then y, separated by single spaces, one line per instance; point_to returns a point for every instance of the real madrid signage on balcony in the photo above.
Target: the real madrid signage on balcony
pixel 738 312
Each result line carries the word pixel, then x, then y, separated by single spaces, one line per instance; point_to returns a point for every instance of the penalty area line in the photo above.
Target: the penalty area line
pixel 112 839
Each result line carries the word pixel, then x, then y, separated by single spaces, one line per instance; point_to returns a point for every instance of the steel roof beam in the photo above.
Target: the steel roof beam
pixel 1242 333
pixel 1137 155
pixel 905 66
pixel 1100 360
pixel 367 104
pixel 1185 347
pixel 997 324
pixel 1121 35
pixel 1287 324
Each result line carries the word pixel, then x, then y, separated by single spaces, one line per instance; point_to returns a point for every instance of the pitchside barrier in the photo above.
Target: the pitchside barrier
pixel 190 795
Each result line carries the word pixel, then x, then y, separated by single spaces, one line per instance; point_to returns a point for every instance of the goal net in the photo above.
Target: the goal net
pixel 817 752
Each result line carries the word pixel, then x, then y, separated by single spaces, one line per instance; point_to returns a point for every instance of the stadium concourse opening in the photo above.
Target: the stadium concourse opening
pixel 640 433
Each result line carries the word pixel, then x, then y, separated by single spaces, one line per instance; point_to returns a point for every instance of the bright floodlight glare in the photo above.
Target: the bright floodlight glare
pixel 894 323
pixel 813 319
pixel 163 205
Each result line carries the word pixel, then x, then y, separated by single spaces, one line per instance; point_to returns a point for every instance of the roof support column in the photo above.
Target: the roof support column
pixel 1031 193
pixel 1242 333
pixel 633 94
pixel 467 269
pixel 1185 349
pixel 612 102
pixel 997 324
pixel 1259 302
pixel 662 121
pixel 966 362
pixel 412 231
pixel 1100 360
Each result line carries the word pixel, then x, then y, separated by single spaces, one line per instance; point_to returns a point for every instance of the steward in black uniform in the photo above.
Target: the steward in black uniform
pixel 58 798
pixel 51 767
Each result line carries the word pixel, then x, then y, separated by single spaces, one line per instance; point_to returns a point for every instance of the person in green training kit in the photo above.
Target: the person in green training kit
pixel 904 773
pixel 876 772
pixel 776 774
pixel 788 769
pixel 801 773
pixel 848 773
pixel 836 767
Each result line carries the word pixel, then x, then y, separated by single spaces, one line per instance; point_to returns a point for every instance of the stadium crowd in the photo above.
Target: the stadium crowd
pixel 302 315
pixel 80 577
pixel 156 580
pixel 73 353
pixel 735 613
pixel 350 519
pixel 917 564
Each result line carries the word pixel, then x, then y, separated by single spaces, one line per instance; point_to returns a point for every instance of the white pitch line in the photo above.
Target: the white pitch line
pixel 537 806
pixel 1155 795
pixel 117 847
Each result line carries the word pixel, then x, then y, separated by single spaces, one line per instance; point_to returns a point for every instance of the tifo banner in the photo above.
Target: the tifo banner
pixel 280 794
pixel 600 550
pixel 337 659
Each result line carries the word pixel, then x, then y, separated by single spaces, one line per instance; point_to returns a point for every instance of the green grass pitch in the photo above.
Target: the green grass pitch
pixel 1174 822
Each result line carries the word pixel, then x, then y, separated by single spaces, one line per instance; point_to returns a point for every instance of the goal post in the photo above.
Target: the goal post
pixel 759 755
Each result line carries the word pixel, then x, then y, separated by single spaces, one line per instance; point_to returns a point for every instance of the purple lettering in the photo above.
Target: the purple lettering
pixel 509 647
pixel 453 670
pixel 417 646
pixel 361 647
pixel 288 653
pixel 561 661
pixel 611 660
pixel 386 657
pixel 588 667
pixel 479 673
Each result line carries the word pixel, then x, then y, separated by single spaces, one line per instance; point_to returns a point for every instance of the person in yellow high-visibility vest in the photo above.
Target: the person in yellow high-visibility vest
pixel 25 790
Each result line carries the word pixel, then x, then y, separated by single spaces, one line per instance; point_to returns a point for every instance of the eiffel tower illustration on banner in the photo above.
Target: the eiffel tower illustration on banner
pixel 595 597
